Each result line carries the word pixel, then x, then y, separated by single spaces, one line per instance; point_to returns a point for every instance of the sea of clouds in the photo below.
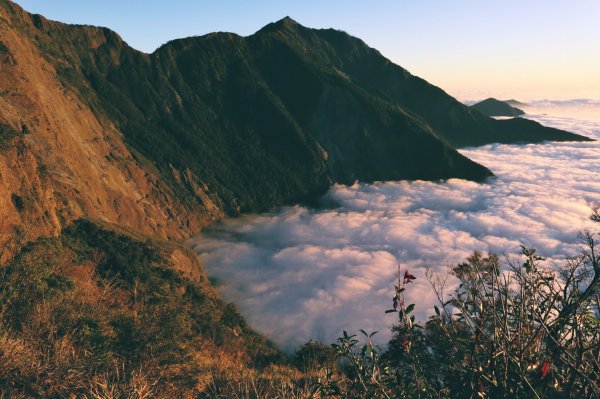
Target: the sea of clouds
pixel 300 273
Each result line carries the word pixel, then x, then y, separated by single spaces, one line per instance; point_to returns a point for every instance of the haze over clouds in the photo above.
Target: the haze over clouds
pixel 298 274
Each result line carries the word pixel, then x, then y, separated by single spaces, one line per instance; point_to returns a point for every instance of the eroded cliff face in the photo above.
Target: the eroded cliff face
pixel 70 164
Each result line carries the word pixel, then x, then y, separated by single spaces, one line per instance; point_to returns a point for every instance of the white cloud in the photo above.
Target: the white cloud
pixel 298 273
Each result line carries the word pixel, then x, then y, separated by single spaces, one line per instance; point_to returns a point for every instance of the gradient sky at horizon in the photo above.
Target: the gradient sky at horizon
pixel 472 49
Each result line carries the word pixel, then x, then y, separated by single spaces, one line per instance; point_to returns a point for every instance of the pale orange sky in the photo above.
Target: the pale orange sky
pixel 521 81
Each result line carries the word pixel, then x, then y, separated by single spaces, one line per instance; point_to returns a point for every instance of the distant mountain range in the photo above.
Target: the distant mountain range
pixel 515 103
pixel 493 107
pixel 215 125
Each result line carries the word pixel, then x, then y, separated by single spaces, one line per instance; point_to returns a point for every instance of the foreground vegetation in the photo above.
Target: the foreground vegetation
pixel 99 314
pixel 524 331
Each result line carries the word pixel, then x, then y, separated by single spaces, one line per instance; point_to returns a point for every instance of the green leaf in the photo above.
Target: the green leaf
pixel 410 308
pixel 437 310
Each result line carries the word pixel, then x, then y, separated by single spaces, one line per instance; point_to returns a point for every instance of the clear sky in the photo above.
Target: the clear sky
pixel 527 49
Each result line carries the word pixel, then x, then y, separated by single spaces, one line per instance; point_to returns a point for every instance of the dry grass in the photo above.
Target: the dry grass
pixel 70 324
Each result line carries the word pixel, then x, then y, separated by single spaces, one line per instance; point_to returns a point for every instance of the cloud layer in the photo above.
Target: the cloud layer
pixel 298 273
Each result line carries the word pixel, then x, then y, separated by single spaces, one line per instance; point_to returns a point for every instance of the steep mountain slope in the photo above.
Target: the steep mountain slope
pixel 368 69
pixel 492 107
pixel 71 163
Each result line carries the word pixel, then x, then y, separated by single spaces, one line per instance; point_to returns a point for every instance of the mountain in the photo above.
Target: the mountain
pixel 493 107
pixel 515 103
pixel 220 124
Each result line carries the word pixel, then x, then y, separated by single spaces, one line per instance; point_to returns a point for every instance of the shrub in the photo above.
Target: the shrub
pixel 514 330
pixel 7 132
pixel 313 355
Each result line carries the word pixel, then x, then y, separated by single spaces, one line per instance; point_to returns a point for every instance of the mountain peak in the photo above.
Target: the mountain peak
pixel 285 23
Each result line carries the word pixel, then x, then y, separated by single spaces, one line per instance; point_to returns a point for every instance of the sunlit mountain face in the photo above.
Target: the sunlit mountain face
pixel 300 273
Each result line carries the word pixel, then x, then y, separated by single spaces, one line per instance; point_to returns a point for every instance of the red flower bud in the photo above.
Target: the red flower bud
pixel 545 369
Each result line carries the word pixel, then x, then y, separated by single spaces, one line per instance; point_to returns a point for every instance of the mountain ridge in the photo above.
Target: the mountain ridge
pixel 222 124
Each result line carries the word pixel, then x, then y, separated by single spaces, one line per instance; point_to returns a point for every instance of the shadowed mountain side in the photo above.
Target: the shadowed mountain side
pixel 515 128
pixel 367 68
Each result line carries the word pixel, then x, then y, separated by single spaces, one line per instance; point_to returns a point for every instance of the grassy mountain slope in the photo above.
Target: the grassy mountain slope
pixel 92 312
